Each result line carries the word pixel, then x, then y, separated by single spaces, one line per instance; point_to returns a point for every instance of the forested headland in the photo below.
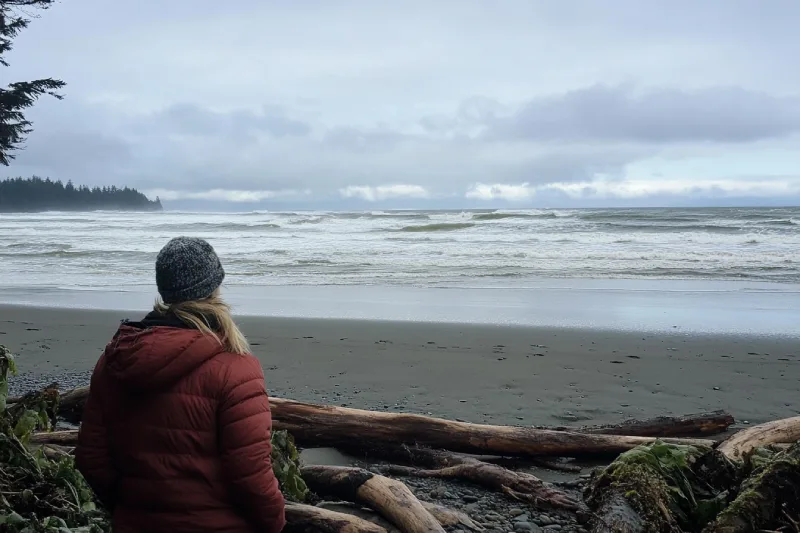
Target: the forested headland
pixel 37 194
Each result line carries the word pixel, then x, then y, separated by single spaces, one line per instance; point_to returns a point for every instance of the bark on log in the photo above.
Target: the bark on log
pixel 302 518
pixel 67 437
pixel 391 498
pixel 694 425
pixel 450 517
pixel 336 426
pixel 333 426
pixel 616 515
pixel 440 464
pixel 71 402
pixel 776 432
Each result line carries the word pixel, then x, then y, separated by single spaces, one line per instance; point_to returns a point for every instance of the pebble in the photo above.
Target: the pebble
pixel 523 527
pixel 515 512
pixel 437 494
pixel 469 498
pixel 553 527
pixel 31 381
pixel 545 520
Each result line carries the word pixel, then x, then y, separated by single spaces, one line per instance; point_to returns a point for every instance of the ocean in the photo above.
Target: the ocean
pixel 464 249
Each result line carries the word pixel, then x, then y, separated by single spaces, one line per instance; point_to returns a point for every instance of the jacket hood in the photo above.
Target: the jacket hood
pixel 157 352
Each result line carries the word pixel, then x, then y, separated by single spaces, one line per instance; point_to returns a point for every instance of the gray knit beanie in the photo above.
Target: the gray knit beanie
pixel 187 268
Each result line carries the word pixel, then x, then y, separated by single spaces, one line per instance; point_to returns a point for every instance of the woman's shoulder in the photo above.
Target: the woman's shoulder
pixel 234 366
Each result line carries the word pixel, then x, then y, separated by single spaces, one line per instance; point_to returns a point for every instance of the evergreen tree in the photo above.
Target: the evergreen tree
pixel 20 95
pixel 37 194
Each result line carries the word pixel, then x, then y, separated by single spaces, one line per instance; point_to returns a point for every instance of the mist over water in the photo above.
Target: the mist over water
pixel 489 248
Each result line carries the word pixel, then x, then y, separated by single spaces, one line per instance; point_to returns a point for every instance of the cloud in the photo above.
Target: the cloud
pixel 633 189
pixel 224 195
pixel 193 120
pixel 666 115
pixel 501 191
pixel 309 102
pixel 384 192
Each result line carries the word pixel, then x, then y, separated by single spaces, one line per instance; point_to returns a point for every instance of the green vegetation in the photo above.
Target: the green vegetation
pixel 286 466
pixel 37 194
pixel 39 493
pixel 20 95
pixel 772 489
pixel 675 488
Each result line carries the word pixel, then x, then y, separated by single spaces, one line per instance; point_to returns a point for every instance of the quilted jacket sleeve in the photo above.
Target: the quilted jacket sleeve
pixel 245 426
pixel 92 453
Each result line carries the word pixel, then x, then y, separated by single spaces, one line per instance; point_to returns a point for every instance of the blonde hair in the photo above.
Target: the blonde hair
pixel 213 317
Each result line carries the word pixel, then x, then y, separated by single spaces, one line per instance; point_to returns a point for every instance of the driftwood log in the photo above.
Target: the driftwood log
pixel 323 425
pixel 302 518
pixel 694 425
pixel 615 514
pixel 67 437
pixel 336 426
pixel 71 404
pixel 441 464
pixel 783 431
pixel 444 515
pixel 450 517
pixel 389 497
pixel 768 499
pixel 427 463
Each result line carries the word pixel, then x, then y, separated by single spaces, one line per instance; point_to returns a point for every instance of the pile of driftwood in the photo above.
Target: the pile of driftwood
pixel 668 475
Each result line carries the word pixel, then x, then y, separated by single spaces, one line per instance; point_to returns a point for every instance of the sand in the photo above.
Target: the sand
pixel 494 374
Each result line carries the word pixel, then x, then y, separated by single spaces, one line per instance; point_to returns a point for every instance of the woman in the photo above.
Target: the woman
pixel 175 435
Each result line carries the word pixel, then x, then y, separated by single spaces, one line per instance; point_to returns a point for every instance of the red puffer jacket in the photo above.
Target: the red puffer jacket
pixel 175 435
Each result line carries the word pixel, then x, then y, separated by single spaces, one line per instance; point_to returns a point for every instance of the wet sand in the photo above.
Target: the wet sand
pixel 477 373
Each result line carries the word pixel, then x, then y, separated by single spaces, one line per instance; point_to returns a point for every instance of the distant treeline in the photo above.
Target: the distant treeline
pixel 37 194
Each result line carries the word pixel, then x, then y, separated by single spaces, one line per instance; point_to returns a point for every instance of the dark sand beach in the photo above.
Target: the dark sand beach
pixel 477 373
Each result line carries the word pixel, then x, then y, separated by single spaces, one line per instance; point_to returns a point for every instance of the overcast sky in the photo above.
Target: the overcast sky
pixel 419 103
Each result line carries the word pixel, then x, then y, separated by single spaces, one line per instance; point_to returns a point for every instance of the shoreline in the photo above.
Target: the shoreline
pixel 602 305
pixel 500 374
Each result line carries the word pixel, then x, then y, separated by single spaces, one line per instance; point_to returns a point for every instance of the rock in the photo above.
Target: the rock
pixel 449 495
pixel 526 527
pixel 545 520
pixel 437 494
pixel 515 511
pixel 553 527
pixel 469 498
pixel 471 508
